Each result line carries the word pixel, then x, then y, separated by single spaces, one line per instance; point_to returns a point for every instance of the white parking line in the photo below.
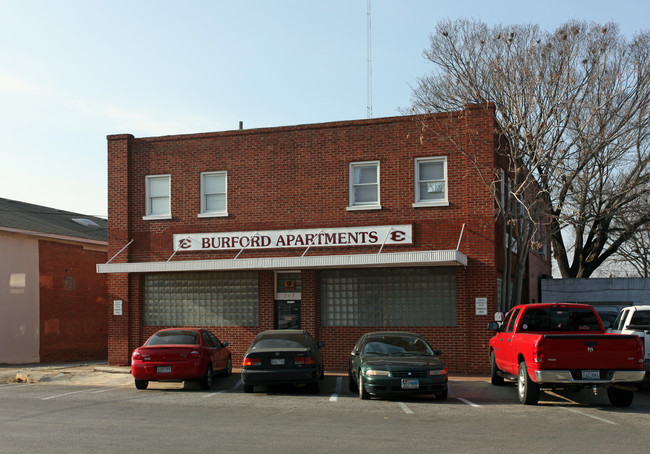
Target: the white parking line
pixel 471 404
pixel 101 390
pixel 589 416
pixel 406 409
pixel 65 394
pixel 334 397
pixel 237 385
pixel 13 385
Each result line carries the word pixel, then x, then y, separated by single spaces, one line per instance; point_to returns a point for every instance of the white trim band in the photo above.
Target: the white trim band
pixel 421 258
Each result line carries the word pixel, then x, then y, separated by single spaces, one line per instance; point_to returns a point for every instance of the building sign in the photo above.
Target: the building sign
pixel 275 239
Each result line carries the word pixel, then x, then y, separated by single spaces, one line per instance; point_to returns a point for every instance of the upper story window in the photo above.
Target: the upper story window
pixel 158 194
pixel 214 194
pixel 431 182
pixel 364 185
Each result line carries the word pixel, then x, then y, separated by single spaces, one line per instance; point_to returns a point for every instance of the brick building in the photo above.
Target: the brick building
pixel 339 228
pixel 53 304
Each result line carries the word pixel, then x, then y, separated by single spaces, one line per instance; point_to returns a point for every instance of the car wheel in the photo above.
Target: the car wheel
pixel 228 370
pixel 441 395
pixel 363 394
pixel 141 384
pixel 248 388
pixel 496 379
pixel 206 381
pixel 352 385
pixel 620 397
pixel 527 389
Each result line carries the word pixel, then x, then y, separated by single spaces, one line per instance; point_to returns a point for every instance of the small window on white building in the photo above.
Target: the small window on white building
pixel 158 194
pixel 431 182
pixel 214 194
pixel 364 185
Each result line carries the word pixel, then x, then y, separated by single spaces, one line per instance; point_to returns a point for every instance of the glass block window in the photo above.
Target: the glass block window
pixel 200 299
pixel 389 297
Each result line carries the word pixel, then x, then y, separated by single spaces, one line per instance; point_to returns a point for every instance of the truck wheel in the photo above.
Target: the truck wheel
pixel 496 379
pixel 527 389
pixel 620 397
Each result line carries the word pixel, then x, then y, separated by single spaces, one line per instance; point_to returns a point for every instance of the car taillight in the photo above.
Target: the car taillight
pixel 538 351
pixel 137 356
pixel 303 360
pixel 251 362
pixel 195 354
pixel 640 351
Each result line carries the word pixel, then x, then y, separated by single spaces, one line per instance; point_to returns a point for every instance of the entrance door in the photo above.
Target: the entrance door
pixel 287 314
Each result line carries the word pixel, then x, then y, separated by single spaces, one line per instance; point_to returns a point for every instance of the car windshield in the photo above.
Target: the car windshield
pixel 280 341
pixel 560 319
pixel 174 338
pixel 396 346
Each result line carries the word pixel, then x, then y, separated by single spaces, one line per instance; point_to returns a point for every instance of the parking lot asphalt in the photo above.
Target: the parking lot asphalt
pixel 99 373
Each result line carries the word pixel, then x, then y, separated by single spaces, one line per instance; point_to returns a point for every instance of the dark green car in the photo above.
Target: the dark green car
pixel 396 363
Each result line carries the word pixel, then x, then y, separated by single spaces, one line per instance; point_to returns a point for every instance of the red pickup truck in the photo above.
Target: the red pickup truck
pixel 564 346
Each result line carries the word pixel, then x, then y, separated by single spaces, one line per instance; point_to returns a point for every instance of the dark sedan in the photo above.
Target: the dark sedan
pixel 396 363
pixel 180 354
pixel 285 356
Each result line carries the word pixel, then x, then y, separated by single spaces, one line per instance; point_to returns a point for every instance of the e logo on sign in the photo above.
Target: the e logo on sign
pixel 397 236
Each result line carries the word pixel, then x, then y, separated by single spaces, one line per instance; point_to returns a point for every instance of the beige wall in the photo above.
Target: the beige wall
pixel 19 300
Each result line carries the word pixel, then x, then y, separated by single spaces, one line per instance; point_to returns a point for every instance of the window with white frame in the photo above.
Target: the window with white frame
pixel 364 185
pixel 158 194
pixel 214 194
pixel 431 181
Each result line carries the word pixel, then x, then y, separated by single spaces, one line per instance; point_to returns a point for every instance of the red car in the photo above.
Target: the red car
pixel 180 354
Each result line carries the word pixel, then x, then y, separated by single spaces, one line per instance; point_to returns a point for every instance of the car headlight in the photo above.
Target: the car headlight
pixel 375 372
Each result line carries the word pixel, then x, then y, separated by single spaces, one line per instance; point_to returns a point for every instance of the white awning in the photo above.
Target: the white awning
pixel 394 259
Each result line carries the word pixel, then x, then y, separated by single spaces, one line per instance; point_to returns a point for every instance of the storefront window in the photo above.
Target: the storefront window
pixel 200 299
pixel 389 297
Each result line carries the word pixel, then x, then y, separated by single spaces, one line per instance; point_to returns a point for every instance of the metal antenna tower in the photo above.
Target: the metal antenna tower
pixel 369 81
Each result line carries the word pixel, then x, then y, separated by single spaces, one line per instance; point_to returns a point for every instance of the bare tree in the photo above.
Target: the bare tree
pixel 572 108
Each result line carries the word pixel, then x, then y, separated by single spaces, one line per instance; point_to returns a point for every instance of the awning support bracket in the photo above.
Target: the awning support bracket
pixel 119 252
pixel 385 239
pixel 311 242
pixel 461 237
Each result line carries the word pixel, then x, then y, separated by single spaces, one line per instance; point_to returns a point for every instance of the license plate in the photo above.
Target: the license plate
pixel 164 369
pixel 408 383
pixel 277 361
pixel 591 375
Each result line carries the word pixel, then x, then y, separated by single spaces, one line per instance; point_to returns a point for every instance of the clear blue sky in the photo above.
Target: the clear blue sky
pixel 73 72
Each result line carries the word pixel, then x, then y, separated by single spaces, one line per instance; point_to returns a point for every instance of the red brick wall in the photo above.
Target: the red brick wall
pixel 73 303
pixel 296 178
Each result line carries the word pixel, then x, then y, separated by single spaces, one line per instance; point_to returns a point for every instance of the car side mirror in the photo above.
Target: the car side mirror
pixel 225 344
pixel 494 326
pixel 437 352
pixel 354 353
pixel 320 344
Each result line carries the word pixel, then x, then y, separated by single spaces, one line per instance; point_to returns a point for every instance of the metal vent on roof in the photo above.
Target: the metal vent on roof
pixel 86 223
